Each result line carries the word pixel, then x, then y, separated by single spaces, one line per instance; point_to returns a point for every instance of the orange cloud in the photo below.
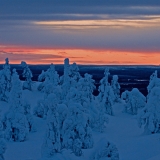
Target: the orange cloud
pixel 81 56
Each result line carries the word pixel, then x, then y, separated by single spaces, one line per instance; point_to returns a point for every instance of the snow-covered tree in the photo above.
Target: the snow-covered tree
pixel 103 84
pixel 3 148
pixel 154 82
pixel 41 109
pixel 149 117
pixel 106 95
pixel 99 117
pixel 15 122
pixel 76 133
pixel 65 79
pixel 5 81
pixel 3 145
pixel 108 100
pixel 41 78
pixel 52 142
pixel 133 101
pixel 115 87
pixel 74 74
pixel 86 87
pixel 27 74
pixel 29 117
pixel 66 70
pixel 105 150
pixel 50 80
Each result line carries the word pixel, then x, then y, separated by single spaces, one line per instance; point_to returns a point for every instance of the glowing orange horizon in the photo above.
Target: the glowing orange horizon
pixel 38 55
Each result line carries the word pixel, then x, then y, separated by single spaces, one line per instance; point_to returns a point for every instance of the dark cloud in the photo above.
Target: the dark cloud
pixel 46 9
pixel 29 57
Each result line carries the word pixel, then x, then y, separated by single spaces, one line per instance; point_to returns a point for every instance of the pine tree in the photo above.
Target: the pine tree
pixel 29 117
pixel 105 150
pixel 65 79
pixel 5 81
pixel 115 87
pixel 86 87
pixel 2 148
pixel 74 74
pixel 149 117
pixel 76 133
pixel 153 82
pixel 51 80
pixel 52 142
pixel 27 74
pixel 134 100
pixel 2 142
pixel 16 125
pixel 106 95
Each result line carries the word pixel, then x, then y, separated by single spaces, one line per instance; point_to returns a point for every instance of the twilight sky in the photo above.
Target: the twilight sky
pixel 86 31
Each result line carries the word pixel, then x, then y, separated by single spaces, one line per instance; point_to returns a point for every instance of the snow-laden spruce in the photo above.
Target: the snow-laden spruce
pixel 15 122
pixel 98 116
pixel 65 80
pixel 106 95
pixel 48 86
pixel 76 133
pixel 29 117
pixel 153 82
pixel 74 74
pixel 149 117
pixel 52 142
pixel 105 150
pixel 116 88
pixel 5 81
pixel 3 148
pixel 86 87
pixel 41 109
pixel 50 80
pixel 27 74
pixel 3 145
pixel 70 78
pixel 68 128
pixel 134 100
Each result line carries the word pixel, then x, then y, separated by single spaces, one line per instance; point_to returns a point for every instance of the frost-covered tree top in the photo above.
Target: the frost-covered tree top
pixel 134 100
pixel 5 81
pixel 104 81
pixel 3 148
pixel 26 71
pixel 86 86
pixel 106 72
pixel 16 90
pixel 105 151
pixel 66 70
pixel 154 82
pixel 116 87
pixel 50 75
pixel 27 74
pixel 50 80
pixel 6 65
pixel 74 71
pixel 149 117
pixel 16 125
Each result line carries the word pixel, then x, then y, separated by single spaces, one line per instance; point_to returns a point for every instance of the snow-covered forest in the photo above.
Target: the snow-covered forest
pixel 59 117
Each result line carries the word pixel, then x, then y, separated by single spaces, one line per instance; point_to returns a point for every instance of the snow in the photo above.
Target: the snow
pixel 75 124
pixel 122 130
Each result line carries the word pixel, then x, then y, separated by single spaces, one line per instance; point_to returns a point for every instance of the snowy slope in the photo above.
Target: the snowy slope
pixel 122 130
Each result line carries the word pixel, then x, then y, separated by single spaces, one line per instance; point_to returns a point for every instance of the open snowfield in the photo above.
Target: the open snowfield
pixel 122 130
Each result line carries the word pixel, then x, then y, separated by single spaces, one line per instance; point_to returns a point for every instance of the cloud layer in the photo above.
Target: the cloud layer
pixel 126 25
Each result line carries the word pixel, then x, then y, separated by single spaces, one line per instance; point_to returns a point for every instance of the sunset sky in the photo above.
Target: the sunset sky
pixel 86 31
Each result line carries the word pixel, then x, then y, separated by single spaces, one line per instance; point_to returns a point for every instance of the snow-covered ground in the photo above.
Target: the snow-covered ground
pixel 122 130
